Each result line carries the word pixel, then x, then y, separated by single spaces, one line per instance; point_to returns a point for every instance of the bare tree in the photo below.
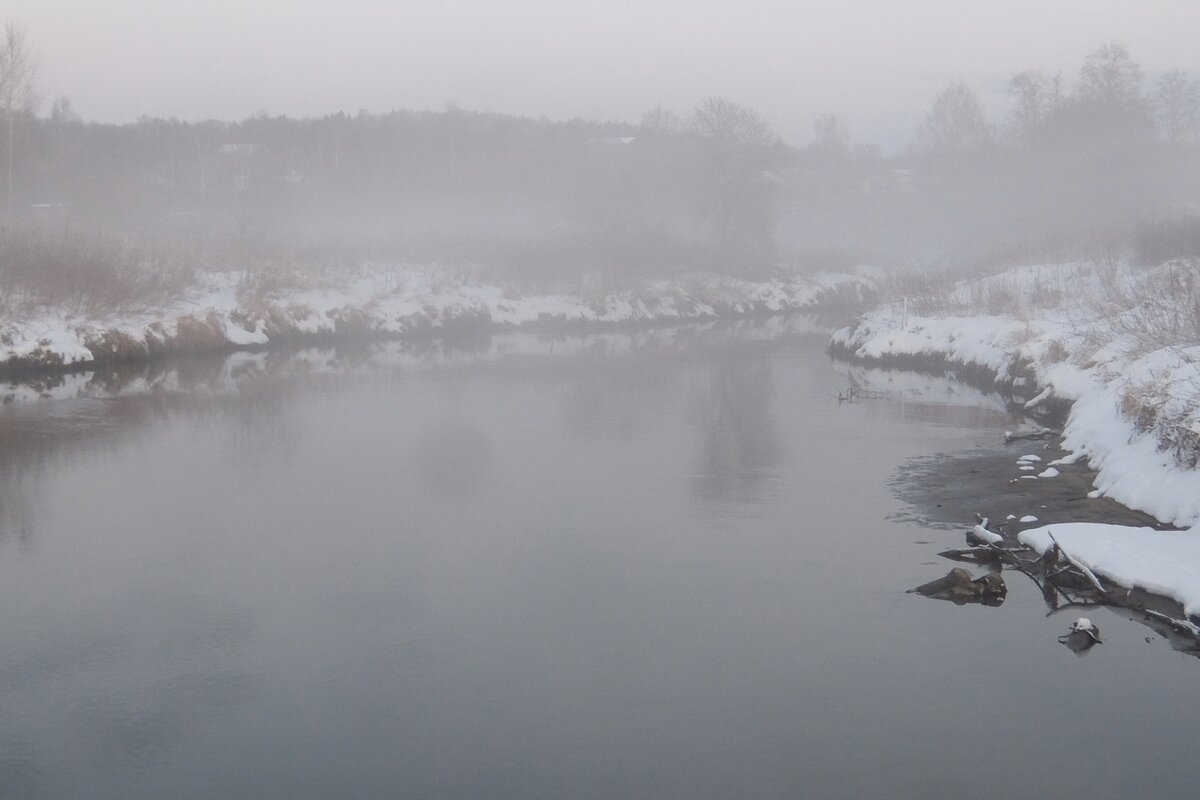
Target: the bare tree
pixel 63 121
pixel 1035 97
pixel 955 125
pixel 18 70
pixel 1177 106
pixel 1109 101
pixel 728 123
pixel 1111 77
pixel 739 185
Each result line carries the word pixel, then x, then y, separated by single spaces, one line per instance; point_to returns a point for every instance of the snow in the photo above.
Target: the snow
pixel 516 344
pixel 398 302
pixel 1088 359
pixel 982 534
pixel 1028 518
pixel 1162 562
pixel 1071 331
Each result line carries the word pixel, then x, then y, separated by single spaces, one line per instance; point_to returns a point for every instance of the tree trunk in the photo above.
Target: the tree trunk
pixel 10 164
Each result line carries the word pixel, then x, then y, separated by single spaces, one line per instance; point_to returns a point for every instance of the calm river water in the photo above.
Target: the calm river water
pixel 665 566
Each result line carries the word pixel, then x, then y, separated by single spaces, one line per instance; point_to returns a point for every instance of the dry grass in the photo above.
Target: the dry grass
pixel 1155 309
pixel 1155 407
pixel 87 272
pixel 978 292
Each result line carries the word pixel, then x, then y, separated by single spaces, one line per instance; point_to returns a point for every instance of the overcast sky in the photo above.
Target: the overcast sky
pixel 877 63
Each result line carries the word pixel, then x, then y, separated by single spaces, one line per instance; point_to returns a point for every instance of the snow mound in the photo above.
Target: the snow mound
pixel 1162 562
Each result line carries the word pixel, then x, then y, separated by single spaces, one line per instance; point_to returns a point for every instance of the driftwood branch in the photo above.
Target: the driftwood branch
pixel 1181 625
pixel 1065 583
pixel 1087 573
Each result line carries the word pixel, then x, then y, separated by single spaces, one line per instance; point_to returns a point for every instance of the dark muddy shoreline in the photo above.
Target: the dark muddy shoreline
pixel 950 489
pixel 947 491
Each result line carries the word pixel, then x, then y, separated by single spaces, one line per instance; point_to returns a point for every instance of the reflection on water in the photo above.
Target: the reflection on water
pixel 629 565
pixel 741 439
pixel 616 398
pixel 927 399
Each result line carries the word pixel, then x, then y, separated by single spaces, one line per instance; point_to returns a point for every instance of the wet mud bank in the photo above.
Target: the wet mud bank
pixel 946 490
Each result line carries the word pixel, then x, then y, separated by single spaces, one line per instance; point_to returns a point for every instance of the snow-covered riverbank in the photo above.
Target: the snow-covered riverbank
pixel 1116 342
pixel 387 302
pixel 243 369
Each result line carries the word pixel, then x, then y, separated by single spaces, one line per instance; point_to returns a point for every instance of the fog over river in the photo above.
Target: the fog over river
pixel 672 569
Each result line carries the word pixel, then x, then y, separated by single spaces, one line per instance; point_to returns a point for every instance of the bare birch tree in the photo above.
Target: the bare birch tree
pixel 739 191
pixel 18 70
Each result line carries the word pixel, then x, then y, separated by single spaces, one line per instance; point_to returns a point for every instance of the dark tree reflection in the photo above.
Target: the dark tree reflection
pixel 741 442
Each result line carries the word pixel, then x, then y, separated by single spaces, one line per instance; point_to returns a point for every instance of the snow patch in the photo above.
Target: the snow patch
pixel 1162 562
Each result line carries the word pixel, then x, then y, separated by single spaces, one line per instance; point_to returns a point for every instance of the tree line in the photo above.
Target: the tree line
pixel 1070 165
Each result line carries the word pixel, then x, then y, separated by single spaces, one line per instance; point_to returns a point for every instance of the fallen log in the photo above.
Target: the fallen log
pixel 1038 435
pixel 1087 573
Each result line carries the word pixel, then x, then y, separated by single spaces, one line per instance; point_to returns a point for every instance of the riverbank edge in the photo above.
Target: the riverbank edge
pixel 283 323
pixel 1165 614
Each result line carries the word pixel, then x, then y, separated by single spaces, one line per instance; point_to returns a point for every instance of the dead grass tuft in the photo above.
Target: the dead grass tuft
pixel 87 272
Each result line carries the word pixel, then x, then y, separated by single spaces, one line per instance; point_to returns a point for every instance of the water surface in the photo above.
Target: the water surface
pixel 662 567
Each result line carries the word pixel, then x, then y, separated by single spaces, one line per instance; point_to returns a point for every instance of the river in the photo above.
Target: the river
pixel 659 566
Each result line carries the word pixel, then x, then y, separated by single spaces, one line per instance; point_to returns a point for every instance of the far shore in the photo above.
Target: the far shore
pixel 392 304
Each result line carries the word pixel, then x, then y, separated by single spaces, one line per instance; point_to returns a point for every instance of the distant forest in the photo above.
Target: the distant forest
pixel 1082 168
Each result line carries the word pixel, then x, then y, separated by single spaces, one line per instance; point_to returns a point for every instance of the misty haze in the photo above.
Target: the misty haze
pixel 611 402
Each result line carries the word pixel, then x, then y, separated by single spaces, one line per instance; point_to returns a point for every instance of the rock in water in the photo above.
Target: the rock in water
pixel 958 586
pixel 1083 635
pixel 954 578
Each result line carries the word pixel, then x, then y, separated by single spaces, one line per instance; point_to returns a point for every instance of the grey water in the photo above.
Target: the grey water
pixel 646 571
